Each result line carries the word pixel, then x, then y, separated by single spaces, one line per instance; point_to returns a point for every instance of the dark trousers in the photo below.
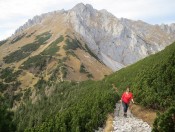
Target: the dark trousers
pixel 125 106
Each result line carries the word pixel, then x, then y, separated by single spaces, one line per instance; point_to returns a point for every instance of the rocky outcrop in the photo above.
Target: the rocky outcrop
pixel 170 29
pixel 31 22
pixel 116 42
pixel 35 20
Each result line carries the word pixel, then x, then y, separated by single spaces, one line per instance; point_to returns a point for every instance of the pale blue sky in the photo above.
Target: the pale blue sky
pixel 15 13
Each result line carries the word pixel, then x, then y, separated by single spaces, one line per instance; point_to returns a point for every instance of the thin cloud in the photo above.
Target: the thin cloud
pixel 15 13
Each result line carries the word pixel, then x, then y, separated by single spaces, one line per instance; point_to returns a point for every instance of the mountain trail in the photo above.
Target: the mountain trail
pixel 118 123
pixel 129 123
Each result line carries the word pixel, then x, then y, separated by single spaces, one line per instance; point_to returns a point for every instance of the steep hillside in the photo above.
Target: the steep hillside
pixel 52 48
pixel 74 106
pixel 151 79
pixel 152 83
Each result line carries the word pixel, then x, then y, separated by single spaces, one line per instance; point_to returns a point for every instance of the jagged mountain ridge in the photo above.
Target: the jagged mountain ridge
pixel 116 42
pixel 170 29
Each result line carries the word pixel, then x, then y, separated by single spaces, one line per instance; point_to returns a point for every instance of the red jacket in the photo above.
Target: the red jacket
pixel 127 97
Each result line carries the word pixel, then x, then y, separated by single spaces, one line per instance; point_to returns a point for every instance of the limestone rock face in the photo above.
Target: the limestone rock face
pixel 170 29
pixel 116 42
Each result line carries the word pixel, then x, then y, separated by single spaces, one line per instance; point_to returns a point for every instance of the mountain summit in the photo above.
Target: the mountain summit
pixel 116 42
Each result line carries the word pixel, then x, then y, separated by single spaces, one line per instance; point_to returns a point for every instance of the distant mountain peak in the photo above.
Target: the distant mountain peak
pixel 118 41
pixel 82 6
pixel 83 9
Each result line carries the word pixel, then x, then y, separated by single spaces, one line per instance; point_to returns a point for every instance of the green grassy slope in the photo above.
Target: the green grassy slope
pixel 72 107
pixel 84 106
pixel 152 80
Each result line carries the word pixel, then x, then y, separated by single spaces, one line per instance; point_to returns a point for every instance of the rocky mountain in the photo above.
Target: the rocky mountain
pixel 42 64
pixel 116 42
pixel 170 29
pixel 78 44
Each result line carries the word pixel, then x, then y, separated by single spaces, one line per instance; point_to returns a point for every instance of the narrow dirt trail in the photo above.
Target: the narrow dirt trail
pixel 129 123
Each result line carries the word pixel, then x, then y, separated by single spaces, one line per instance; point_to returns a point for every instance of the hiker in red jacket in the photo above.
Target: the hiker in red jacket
pixel 126 98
